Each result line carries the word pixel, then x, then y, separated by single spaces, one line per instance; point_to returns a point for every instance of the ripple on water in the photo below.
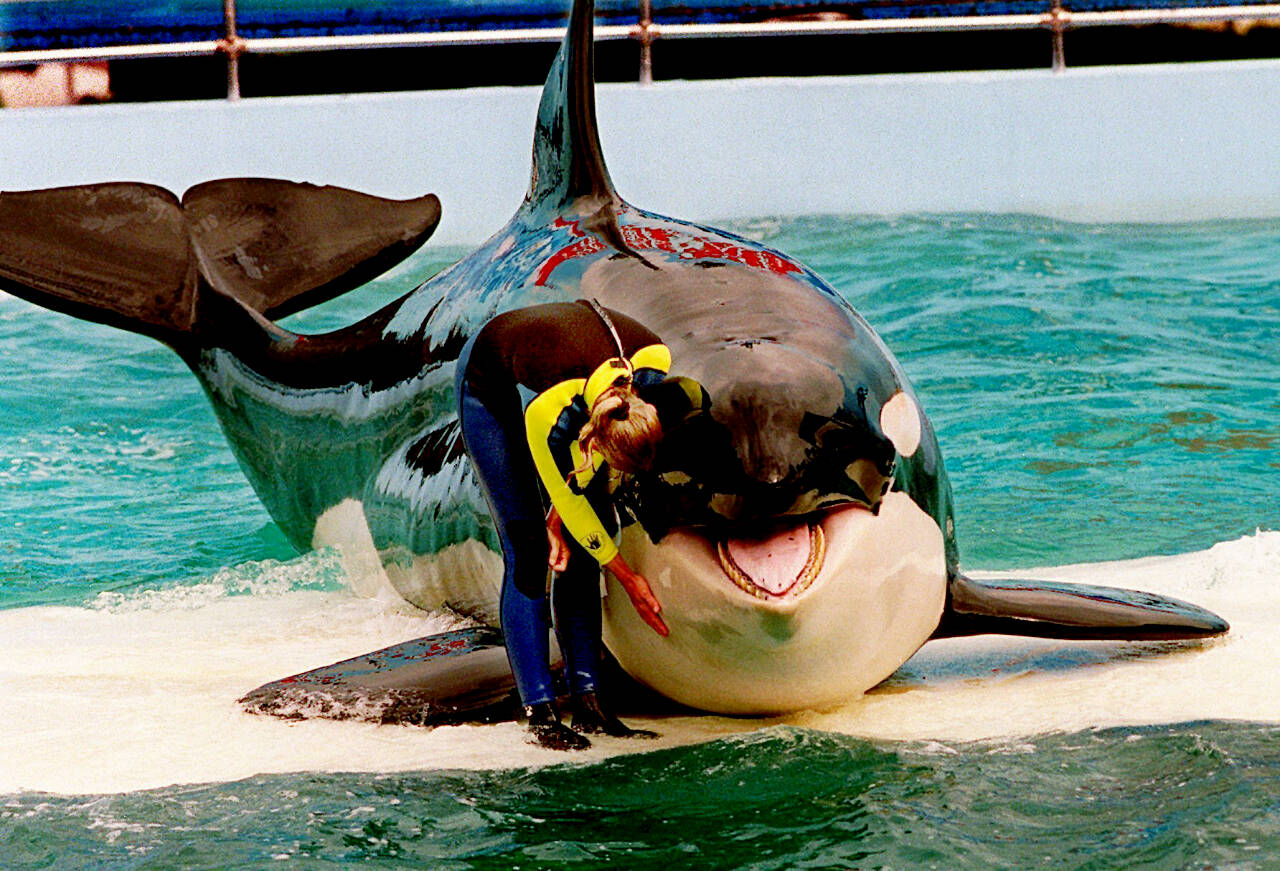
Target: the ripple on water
pixel 1202 794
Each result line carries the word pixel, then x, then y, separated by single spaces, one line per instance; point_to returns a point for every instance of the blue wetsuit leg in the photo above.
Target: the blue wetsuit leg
pixel 575 600
pixel 507 475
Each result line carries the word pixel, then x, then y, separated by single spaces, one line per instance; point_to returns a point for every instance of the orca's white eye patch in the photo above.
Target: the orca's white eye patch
pixel 900 422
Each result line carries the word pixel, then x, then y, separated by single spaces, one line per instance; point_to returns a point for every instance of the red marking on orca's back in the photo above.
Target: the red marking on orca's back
pixel 686 247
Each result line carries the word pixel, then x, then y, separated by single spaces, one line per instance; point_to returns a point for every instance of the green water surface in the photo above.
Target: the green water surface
pixel 1100 392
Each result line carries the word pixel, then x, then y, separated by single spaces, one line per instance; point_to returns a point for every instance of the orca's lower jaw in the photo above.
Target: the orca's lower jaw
pixel 807 612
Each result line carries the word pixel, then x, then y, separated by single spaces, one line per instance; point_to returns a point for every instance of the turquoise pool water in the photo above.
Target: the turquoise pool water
pixel 1100 393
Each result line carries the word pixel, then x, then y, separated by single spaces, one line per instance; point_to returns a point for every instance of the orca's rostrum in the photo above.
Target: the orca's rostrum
pixel 798 534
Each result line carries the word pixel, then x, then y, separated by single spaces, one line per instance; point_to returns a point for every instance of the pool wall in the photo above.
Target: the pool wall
pixel 1138 143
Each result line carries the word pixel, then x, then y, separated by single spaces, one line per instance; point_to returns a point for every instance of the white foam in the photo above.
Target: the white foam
pixel 141 691
pixel 996 687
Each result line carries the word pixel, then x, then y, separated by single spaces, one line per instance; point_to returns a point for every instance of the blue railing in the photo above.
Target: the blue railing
pixel 88 30
pixel 29 25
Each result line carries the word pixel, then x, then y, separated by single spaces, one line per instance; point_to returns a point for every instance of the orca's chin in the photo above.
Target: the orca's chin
pixel 805 614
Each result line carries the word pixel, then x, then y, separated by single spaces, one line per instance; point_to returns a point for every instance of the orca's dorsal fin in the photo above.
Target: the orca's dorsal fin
pixel 568 164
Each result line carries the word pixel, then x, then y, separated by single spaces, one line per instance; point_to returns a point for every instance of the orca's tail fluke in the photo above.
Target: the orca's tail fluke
pixel 134 256
pixel 115 253
pixel 1045 609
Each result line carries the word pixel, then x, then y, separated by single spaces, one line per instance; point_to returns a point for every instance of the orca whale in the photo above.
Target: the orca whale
pixel 798 531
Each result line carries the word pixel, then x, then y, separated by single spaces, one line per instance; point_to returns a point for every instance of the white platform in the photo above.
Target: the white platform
pixel 1145 143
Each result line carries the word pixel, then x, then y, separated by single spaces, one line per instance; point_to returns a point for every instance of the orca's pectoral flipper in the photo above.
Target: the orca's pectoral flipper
pixel 281 246
pixel 1045 609
pixel 460 676
pixel 132 256
pixel 114 253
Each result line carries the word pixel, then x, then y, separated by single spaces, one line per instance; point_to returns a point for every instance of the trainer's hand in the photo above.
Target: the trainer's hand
pixel 558 553
pixel 642 598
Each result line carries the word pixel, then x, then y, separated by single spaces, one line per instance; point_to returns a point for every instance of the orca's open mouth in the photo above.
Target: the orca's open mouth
pixel 781 561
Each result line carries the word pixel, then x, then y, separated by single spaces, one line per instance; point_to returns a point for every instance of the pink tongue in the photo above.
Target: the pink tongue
pixel 772 563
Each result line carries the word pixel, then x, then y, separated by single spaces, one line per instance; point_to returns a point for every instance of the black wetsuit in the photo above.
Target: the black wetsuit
pixel 526 383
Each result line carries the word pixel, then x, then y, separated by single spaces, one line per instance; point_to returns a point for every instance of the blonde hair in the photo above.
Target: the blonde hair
pixel 624 428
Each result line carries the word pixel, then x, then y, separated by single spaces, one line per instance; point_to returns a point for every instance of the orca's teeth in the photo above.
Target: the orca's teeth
pixel 812 568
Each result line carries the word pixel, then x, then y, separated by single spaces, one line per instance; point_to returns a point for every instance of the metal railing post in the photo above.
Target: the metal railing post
pixel 644 33
pixel 232 46
pixel 1057 23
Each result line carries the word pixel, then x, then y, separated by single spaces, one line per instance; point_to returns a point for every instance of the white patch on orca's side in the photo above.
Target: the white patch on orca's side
pixel 344 528
pixel 877 599
pixel 464 578
pixel 900 422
